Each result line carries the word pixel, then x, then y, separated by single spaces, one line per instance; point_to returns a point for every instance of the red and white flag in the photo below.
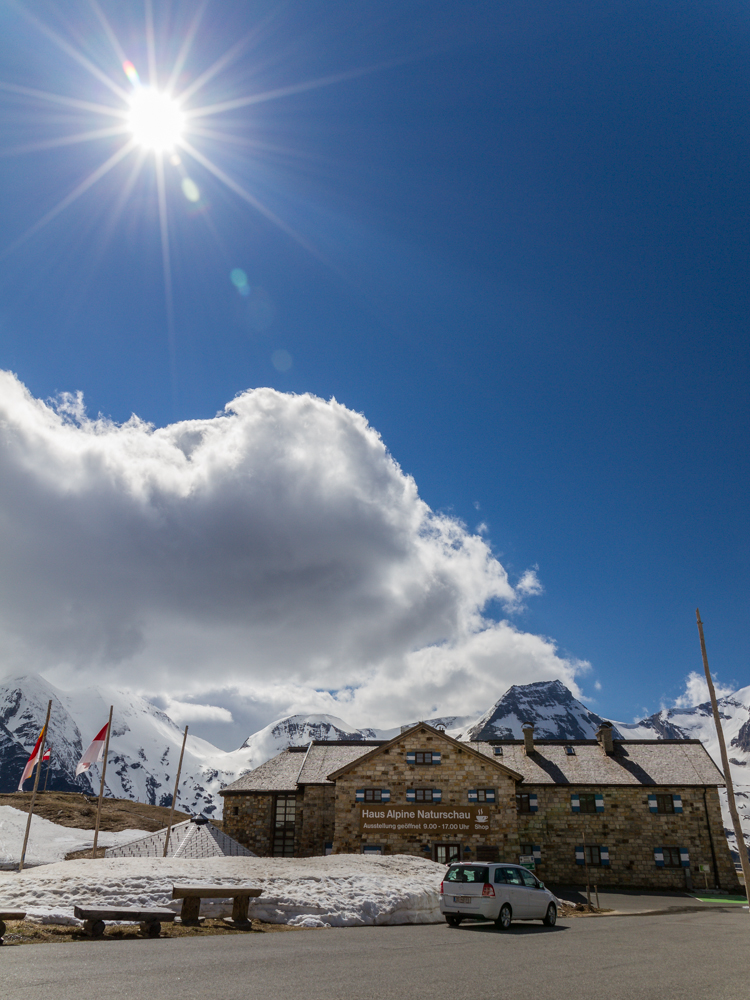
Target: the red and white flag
pixel 31 762
pixel 94 754
pixel 47 753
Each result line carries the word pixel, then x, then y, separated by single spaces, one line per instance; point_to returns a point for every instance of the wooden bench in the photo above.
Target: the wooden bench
pixel 150 918
pixel 9 915
pixel 191 896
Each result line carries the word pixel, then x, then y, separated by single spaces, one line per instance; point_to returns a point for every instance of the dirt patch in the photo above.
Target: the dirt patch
pixel 578 909
pixel 24 932
pixel 74 809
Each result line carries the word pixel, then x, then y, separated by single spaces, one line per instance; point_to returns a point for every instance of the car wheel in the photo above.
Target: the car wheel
pixel 453 920
pixel 551 919
pixel 504 917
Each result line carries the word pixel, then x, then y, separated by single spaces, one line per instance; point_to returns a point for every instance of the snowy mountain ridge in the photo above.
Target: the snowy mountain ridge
pixel 556 714
pixel 145 743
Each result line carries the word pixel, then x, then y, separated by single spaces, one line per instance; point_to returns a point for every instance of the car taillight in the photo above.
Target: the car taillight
pixel 487 890
pixel 442 890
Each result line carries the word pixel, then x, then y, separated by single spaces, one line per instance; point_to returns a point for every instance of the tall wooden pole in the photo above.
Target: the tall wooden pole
pixel 741 846
pixel 49 765
pixel 586 863
pixel 174 797
pixel 101 786
pixel 36 785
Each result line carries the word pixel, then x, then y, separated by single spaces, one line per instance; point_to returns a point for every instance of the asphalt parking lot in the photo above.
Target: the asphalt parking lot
pixel 699 954
pixel 635 901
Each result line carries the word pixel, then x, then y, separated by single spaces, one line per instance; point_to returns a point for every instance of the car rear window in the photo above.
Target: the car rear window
pixel 466 873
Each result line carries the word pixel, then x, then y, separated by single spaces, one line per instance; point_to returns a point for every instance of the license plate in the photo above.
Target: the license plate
pixel 462 899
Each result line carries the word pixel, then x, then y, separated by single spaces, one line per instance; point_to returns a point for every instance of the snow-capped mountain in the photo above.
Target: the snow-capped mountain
pixel 144 746
pixel 145 743
pixel 555 713
pixel 298 730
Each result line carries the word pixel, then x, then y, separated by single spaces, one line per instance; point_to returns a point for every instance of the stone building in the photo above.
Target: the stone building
pixel 632 812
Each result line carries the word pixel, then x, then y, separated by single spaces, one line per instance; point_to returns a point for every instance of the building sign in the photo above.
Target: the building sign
pixel 527 860
pixel 426 821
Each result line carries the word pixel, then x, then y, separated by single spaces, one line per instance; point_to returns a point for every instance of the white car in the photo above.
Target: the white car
pixel 500 892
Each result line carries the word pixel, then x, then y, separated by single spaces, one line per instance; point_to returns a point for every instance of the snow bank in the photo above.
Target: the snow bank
pixel 49 842
pixel 344 890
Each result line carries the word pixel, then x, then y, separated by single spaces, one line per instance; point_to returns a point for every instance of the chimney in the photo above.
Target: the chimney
pixel 528 737
pixel 604 735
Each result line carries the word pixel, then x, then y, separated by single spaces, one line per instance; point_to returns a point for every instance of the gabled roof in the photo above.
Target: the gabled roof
pixel 309 765
pixel 423 727
pixel 634 762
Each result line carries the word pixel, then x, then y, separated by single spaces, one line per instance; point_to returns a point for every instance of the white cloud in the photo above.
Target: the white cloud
pixel 188 711
pixel 275 551
pixel 530 585
pixel 696 691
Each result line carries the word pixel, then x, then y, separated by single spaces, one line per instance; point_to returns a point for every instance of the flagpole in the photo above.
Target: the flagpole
pixel 36 785
pixel 101 786
pixel 49 765
pixel 174 797
pixel 741 846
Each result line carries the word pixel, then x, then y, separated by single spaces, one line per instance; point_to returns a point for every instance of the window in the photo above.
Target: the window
pixel 372 795
pixel 523 802
pixel 570 751
pixel 481 795
pixel 467 873
pixel 592 856
pixel 587 802
pixel 423 794
pixel 526 850
pixel 664 803
pixel 236 811
pixel 498 751
pixel 283 826
pixel 672 857
pixel 372 849
pixel 510 876
pixel 446 854
pixel 529 880
pixel 423 757
pixel 488 852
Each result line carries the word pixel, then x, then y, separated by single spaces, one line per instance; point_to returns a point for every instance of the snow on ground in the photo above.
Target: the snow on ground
pixel 49 842
pixel 341 890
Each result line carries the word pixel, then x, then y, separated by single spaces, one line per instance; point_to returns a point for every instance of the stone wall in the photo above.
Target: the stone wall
pixel 458 771
pixel 630 832
pixel 251 825
pixel 314 820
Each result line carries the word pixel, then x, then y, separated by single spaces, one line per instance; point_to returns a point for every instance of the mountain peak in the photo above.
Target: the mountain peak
pixel 549 705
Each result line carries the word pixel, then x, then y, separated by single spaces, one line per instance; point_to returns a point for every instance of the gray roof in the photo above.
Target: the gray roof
pixel 300 765
pixel 634 762
pixel 187 840
pixel 324 760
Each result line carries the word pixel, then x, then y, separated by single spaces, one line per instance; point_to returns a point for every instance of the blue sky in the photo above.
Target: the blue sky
pixel 522 254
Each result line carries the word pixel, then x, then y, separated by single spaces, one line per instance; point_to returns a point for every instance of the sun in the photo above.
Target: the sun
pixel 155 120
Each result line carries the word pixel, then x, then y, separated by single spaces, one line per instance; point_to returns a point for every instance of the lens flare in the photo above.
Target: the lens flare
pixel 190 189
pixel 156 121
pixel 131 73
